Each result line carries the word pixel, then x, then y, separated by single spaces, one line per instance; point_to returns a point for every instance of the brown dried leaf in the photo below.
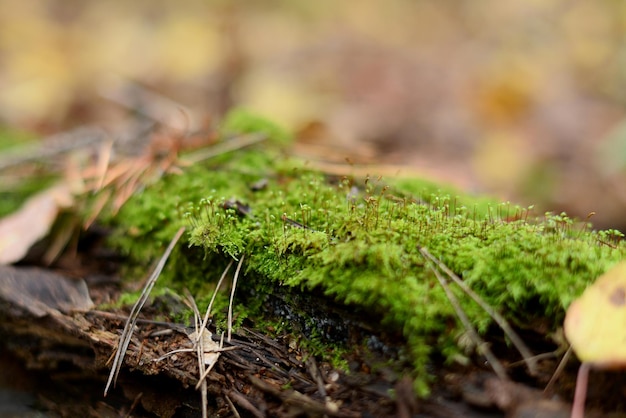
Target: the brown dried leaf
pixel 22 229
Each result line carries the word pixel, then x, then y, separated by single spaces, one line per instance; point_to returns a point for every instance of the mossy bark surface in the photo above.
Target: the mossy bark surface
pixel 356 242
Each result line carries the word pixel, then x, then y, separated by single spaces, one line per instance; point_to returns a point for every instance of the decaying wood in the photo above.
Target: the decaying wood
pixel 53 335
pixel 250 375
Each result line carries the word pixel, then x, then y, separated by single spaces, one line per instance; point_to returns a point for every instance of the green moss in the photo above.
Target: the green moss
pixel 11 139
pixel 15 191
pixel 16 187
pixel 358 242
pixel 240 121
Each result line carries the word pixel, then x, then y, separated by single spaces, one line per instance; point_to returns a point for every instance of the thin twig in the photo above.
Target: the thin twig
pixel 193 350
pixel 308 405
pixel 204 399
pixel 208 310
pixel 314 371
pixel 134 313
pixel 233 144
pixel 232 407
pixel 538 357
pixel 558 371
pixel 52 146
pixel 243 402
pixel 202 384
pixel 199 340
pixel 191 303
pixel 199 347
pixel 527 355
pixel 481 346
pixel 102 166
pixel 133 405
pixel 232 296
pixel 171 353
pixel 170 325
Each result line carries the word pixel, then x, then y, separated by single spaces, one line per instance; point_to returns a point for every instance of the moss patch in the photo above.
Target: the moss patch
pixel 18 184
pixel 357 241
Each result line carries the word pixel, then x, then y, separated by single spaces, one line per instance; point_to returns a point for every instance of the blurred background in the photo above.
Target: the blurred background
pixel 523 100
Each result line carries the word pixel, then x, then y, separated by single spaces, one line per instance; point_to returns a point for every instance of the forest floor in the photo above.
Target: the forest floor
pixel 523 102
pixel 60 359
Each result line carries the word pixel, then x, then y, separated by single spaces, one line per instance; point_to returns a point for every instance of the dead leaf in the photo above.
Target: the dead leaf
pixel 210 349
pixel 22 229
pixel 41 292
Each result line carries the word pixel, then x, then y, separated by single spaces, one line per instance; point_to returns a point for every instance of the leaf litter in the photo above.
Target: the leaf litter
pixel 208 351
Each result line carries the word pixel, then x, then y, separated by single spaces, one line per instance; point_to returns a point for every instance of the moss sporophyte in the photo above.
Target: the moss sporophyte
pixel 357 242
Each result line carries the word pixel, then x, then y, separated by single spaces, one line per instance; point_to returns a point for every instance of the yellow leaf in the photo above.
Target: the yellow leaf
pixel 595 323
